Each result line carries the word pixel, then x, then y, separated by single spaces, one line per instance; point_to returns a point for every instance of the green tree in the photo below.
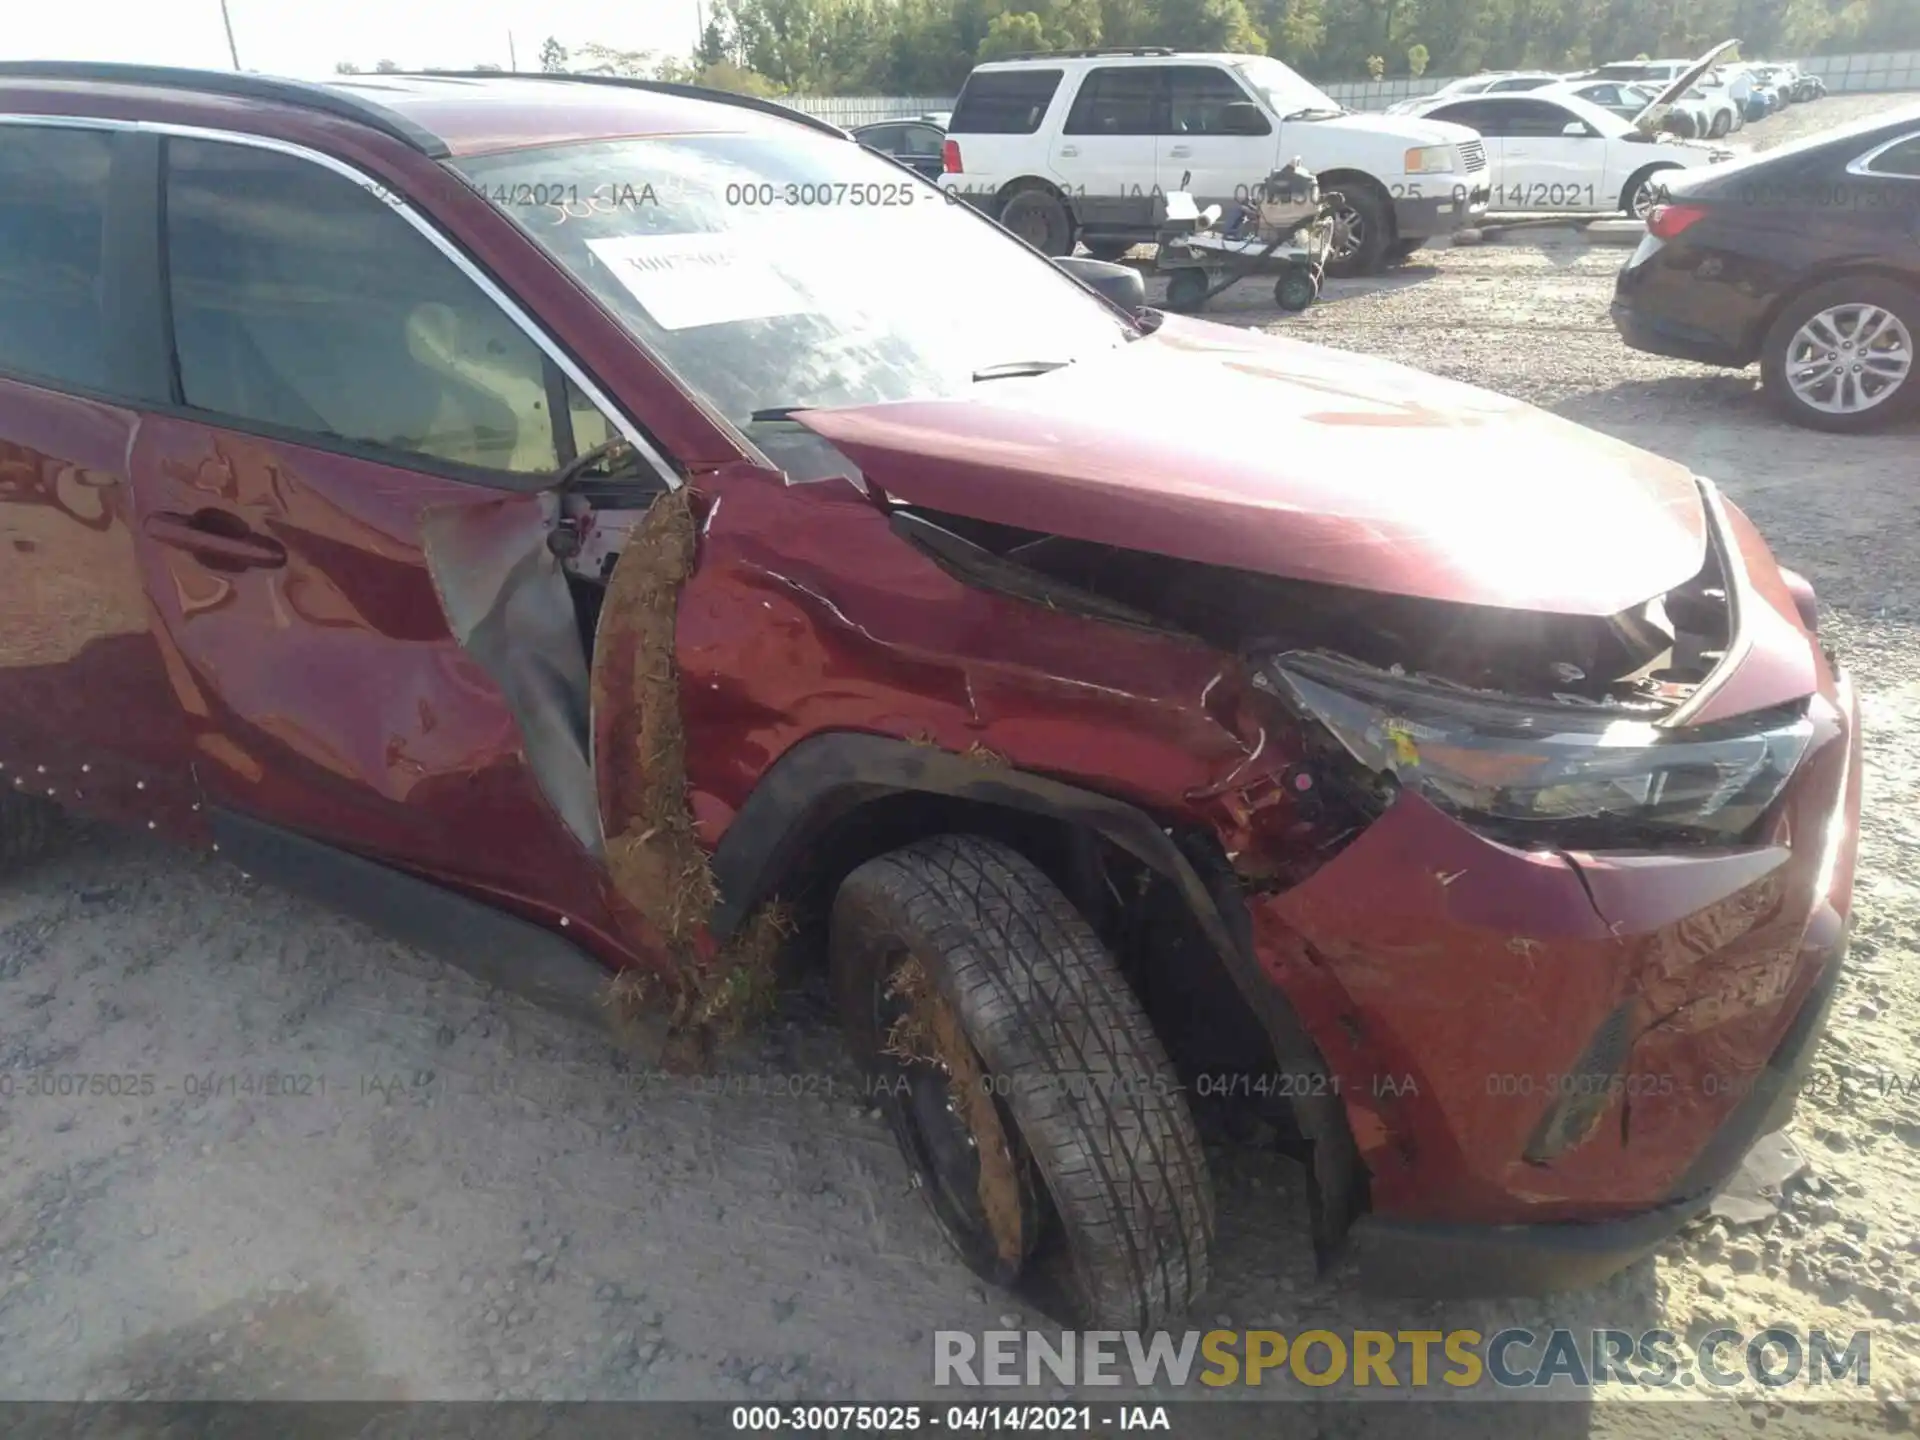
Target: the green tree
pixel 386 67
pixel 346 67
pixel 1013 34
pixel 1417 60
pixel 1376 67
pixel 553 56
pixel 1207 25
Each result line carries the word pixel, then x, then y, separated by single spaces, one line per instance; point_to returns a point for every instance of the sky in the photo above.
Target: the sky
pixel 306 39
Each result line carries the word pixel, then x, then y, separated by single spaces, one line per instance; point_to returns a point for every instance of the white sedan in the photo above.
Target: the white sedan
pixel 1564 155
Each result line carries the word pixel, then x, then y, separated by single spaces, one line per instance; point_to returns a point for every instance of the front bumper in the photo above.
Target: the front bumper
pixel 1427 216
pixel 1463 1261
pixel 1453 987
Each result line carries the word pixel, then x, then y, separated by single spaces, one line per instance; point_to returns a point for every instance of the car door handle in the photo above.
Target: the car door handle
pixel 218 537
pixel 1180 152
pixel 1069 150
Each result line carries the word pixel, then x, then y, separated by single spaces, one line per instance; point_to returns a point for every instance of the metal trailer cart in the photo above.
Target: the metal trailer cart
pixel 1284 224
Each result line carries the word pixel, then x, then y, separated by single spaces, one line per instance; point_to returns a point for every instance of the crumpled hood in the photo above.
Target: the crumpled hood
pixel 1233 448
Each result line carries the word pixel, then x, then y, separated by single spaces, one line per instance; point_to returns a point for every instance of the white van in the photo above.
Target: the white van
pixel 1081 146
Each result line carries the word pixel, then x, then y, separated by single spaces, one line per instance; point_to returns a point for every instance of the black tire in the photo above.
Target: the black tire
pixel 1187 290
pixel 1083 1082
pixel 1400 250
pixel 1647 179
pixel 1106 249
pixel 1369 220
pixel 1040 218
pixel 1722 123
pixel 1295 290
pixel 28 826
pixel 1902 400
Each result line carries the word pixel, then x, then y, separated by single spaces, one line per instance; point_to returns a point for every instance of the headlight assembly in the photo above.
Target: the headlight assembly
pixel 1430 160
pixel 1558 774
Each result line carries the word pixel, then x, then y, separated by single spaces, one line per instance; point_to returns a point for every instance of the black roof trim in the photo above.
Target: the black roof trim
pixel 1084 54
pixel 662 87
pixel 303 94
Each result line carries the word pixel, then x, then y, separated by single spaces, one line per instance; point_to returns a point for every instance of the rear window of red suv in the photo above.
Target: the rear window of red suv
pixel 1003 102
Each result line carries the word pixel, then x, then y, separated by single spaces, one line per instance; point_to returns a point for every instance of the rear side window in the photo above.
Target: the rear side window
pixel 1117 100
pixel 881 137
pixel 302 302
pixel 1474 116
pixel 1003 102
pixel 53 208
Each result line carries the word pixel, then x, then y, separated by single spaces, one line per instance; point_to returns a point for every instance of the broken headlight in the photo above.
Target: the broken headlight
pixel 1561 773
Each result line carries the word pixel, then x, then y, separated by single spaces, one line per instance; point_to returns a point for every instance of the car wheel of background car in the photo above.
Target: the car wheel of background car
pixel 1722 123
pixel 1681 123
pixel 1040 218
pixel 1642 192
pixel 1108 250
pixel 1840 357
pixel 1022 1079
pixel 28 825
pixel 1362 232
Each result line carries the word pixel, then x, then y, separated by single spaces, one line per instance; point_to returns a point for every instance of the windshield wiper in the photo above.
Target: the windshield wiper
pixel 1013 369
pixel 778 412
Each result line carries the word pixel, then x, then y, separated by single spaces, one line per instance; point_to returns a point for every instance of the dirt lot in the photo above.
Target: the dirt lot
pixel 469 1198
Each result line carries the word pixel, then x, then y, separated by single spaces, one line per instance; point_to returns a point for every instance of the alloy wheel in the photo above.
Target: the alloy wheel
pixel 1349 232
pixel 1849 358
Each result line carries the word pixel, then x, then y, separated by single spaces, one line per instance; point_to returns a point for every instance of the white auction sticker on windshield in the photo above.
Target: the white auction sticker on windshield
pixel 702 278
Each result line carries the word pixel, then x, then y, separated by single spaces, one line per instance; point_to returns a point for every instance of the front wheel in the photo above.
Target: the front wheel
pixel 1840 357
pixel 1362 233
pixel 1187 290
pixel 1022 1079
pixel 1040 218
pixel 1643 192
pixel 1722 123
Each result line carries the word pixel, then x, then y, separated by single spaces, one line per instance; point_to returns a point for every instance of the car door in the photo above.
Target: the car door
pixel 90 699
pixel 1105 154
pixel 1542 166
pixel 1214 135
pixel 343 523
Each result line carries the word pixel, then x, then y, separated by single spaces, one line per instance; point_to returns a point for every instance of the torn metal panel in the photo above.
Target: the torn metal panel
pixel 507 603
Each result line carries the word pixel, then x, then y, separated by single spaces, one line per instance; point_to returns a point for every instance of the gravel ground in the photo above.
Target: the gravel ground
pixel 457 1196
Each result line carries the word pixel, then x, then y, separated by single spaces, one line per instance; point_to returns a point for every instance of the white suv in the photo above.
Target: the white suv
pixel 1081 146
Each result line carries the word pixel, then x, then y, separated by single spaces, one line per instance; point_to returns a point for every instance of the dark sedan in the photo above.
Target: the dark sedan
pixel 1805 258
pixel 912 142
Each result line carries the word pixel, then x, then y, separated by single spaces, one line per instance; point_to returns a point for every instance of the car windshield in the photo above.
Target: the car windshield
pixel 775 271
pixel 1287 92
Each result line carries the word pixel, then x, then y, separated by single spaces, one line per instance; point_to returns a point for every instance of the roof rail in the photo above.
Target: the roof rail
pixel 305 94
pixel 663 87
pixel 1083 54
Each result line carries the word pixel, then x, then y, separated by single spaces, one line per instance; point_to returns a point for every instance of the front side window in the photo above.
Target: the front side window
pixel 302 302
pixel 784 269
pixel 53 210
pixel 1535 118
pixel 1117 100
pixel 1197 97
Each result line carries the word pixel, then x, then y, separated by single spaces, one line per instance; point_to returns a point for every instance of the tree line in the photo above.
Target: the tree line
pixel 926 47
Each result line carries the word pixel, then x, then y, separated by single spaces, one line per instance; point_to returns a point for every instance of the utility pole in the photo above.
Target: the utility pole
pixel 233 51
pixel 513 60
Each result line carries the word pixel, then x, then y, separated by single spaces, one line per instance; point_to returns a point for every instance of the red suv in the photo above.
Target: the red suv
pixel 605 530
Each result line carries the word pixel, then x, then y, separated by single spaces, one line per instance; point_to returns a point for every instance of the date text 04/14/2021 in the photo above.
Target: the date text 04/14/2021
pixel 870 1419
